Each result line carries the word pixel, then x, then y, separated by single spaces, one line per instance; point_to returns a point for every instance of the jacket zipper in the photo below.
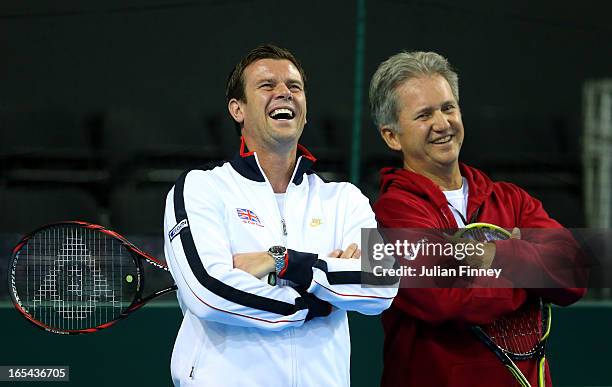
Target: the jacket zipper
pixel 284 243
pixel 196 362
pixel 283 224
pixel 448 222
pixel 291 331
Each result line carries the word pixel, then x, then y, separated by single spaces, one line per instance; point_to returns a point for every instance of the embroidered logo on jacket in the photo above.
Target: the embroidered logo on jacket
pixel 248 216
pixel 316 222
pixel 177 229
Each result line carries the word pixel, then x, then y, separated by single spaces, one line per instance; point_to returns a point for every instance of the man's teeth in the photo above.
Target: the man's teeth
pixel 281 113
pixel 277 111
pixel 442 140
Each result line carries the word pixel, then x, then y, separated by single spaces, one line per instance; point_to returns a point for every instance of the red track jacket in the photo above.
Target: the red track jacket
pixel 427 342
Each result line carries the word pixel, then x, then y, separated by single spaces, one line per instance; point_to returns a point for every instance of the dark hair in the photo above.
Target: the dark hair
pixel 235 82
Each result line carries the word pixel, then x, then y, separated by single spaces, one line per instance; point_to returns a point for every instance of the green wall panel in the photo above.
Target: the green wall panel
pixel 136 352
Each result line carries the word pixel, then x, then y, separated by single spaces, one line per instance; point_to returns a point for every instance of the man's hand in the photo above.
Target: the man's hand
pixel 351 252
pixel 257 264
pixel 516 233
pixel 485 260
pixel 480 261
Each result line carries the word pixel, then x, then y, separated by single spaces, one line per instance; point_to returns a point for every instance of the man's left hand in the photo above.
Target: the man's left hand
pixel 352 251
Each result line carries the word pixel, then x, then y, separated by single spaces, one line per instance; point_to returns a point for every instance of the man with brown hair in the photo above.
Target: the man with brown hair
pixel 264 252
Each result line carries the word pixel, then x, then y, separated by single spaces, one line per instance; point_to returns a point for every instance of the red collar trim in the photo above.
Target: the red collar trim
pixel 306 153
pixel 242 146
pixel 302 151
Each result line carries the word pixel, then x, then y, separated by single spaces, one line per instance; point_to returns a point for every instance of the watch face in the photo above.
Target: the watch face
pixel 277 250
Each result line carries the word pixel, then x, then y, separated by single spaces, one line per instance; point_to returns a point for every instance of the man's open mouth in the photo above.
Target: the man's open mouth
pixel 282 114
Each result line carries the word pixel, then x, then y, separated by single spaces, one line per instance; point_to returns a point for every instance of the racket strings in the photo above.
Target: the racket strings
pixel 73 278
pixel 518 333
pixel 483 234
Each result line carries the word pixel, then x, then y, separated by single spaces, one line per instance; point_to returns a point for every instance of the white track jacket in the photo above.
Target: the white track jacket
pixel 237 330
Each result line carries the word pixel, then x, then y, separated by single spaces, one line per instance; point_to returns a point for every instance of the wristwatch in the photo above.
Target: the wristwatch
pixel 278 253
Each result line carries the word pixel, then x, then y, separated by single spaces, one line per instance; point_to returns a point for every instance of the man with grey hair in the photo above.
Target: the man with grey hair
pixel 415 104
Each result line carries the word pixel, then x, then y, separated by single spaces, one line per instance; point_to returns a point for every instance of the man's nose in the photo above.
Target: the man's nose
pixel 440 121
pixel 283 92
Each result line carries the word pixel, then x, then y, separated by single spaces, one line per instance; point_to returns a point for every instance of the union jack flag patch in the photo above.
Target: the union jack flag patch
pixel 248 216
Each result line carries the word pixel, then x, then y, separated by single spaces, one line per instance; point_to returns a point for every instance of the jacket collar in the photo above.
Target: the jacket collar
pixel 480 186
pixel 246 164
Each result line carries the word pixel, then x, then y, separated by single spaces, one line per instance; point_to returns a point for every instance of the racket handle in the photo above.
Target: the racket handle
pixel 518 375
pixel 505 359
pixel 541 372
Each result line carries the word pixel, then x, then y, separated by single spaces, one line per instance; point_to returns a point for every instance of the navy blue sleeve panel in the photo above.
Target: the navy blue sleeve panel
pixel 298 267
pixel 201 263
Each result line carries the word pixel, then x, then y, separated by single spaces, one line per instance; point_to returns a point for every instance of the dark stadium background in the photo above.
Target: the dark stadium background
pixel 104 103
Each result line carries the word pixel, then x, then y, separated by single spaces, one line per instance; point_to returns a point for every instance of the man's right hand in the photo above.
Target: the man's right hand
pixel 352 251
pixel 257 264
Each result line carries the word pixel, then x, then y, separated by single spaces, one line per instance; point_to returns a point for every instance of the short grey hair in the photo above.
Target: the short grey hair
pixel 394 72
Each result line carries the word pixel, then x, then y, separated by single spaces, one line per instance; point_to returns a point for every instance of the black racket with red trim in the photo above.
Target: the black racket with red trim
pixel 75 277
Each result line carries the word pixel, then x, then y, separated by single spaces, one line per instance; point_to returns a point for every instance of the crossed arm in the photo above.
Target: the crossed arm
pixel 261 263
pixel 216 286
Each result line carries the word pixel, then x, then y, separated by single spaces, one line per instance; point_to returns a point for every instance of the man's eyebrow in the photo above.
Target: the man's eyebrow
pixel 274 80
pixel 429 109
pixel 294 81
pixel 426 109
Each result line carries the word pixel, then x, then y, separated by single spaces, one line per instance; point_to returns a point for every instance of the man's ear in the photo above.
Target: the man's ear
pixel 391 138
pixel 235 110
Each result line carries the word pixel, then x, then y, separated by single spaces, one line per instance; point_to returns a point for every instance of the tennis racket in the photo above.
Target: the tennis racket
pixel 520 335
pixel 75 277
pixel 483 232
